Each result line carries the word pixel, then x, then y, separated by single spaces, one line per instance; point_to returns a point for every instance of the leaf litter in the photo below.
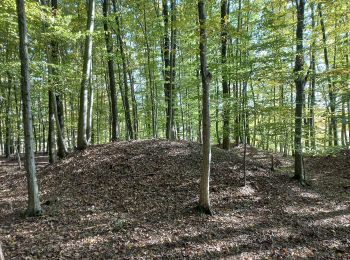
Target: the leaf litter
pixel 127 200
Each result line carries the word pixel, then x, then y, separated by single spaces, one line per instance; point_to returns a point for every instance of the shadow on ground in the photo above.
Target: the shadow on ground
pixel 136 199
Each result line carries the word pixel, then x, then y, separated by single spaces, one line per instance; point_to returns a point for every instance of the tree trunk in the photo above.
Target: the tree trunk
pixel 173 51
pixel 89 117
pixel 313 85
pixel 18 123
pixel 62 150
pixel 150 76
pixel 204 201
pixel 34 207
pixel 133 105
pixel 344 137
pixel 111 76
pixel 84 92
pixel 51 133
pixel 167 71
pixel 128 124
pixel 8 130
pixel 331 94
pixel 199 131
pixel 299 84
pixel 225 86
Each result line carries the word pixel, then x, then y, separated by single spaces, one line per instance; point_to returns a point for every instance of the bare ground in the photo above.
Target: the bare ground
pixel 137 199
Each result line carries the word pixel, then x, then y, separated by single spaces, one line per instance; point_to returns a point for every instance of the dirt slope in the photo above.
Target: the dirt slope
pixel 136 200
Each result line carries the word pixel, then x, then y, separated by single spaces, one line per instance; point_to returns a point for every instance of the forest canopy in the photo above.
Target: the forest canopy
pixel 258 68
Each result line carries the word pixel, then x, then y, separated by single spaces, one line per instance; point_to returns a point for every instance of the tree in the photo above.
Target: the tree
pixel 225 86
pixel 149 54
pixel 167 72
pixel 34 207
pixel 332 97
pixel 87 65
pixel 111 76
pixel 204 201
pixel 125 92
pixel 62 150
pixel 299 85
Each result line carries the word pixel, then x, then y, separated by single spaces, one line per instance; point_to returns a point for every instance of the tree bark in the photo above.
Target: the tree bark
pixel 125 93
pixel 8 130
pixel 225 86
pixel 173 51
pixel 51 133
pixel 204 201
pixel 84 92
pixel 133 105
pixel 332 96
pixel 150 76
pixel 313 84
pixel 167 71
pixel 34 207
pixel 62 149
pixel 89 117
pixel 299 84
pixel 111 75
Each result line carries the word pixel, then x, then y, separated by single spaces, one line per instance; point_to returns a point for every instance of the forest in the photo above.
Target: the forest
pixel 201 129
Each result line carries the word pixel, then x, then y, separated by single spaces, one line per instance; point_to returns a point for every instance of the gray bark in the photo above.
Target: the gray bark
pixel 62 150
pixel 225 86
pixel 299 83
pixel 84 92
pixel 204 201
pixel 111 75
pixel 34 207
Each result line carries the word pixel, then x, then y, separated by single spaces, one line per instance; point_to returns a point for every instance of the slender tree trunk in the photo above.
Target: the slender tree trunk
pixel 199 131
pixel 55 99
pixel 52 57
pixel 173 51
pixel 84 92
pixel 8 124
pixel 18 123
pixel 204 201
pixel 62 149
pixel 34 207
pixel 167 70
pixel 128 123
pixel 1 140
pixel 89 122
pixel 344 137
pixel 218 139
pixel 313 85
pixel 238 54
pixel 111 75
pixel 225 86
pixel 348 78
pixel 133 105
pixel 150 75
pixel 331 94
pixel 51 134
pixel 299 84
pixel 73 118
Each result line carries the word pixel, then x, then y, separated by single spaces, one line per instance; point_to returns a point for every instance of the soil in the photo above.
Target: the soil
pixel 137 199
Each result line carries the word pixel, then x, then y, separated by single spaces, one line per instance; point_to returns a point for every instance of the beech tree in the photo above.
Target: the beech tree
pixel 225 86
pixel 299 84
pixel 111 76
pixel 147 81
pixel 82 141
pixel 204 201
pixel 34 207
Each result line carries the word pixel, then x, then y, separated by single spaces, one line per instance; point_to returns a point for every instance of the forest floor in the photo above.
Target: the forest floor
pixel 137 200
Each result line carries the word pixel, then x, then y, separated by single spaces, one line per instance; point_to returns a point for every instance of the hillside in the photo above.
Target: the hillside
pixel 136 199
